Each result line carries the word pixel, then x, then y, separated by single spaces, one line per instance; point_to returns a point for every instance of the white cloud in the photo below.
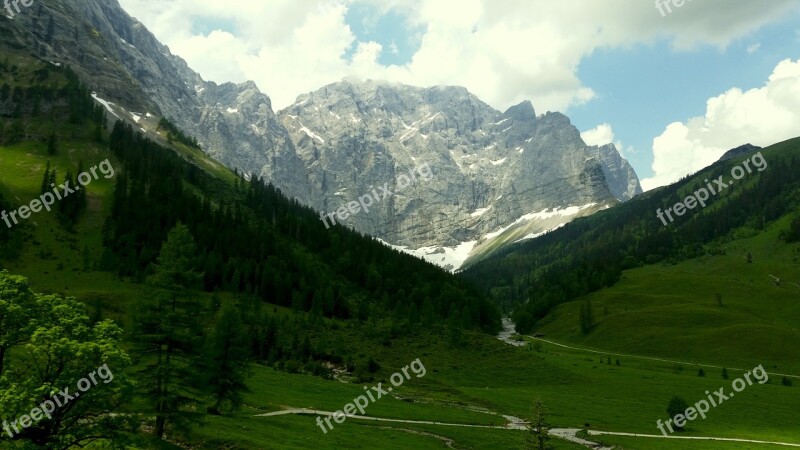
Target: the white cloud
pixel 604 134
pixel 761 116
pixel 752 48
pixel 218 52
pixel 601 135
pixel 504 51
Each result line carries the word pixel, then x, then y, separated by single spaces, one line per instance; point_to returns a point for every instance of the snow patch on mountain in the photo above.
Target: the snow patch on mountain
pixel 448 258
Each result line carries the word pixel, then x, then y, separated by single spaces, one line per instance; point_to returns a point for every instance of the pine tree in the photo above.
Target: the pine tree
pixel 51 182
pixel 72 205
pixel 46 179
pixel 225 360
pixel 67 204
pixel 538 431
pixel 52 144
pixel 167 330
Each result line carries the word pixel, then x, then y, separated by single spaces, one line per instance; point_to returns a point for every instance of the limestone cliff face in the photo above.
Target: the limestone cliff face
pixel 489 168
pixel 497 176
pixel 126 64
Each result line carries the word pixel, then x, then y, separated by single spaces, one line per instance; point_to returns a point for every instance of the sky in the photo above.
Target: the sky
pixel 673 87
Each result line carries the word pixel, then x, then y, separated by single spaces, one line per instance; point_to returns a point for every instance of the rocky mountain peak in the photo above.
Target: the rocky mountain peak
pixel 491 168
pixel 496 177
pixel 521 112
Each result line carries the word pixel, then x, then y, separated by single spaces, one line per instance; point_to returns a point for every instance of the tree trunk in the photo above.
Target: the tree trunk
pixel 160 423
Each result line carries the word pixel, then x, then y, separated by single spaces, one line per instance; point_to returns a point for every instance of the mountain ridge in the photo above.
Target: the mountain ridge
pixel 236 124
pixel 492 168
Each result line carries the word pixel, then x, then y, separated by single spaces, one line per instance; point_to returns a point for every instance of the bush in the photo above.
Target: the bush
pixel 293 366
pixel 373 366
pixel 793 233
pixel 677 406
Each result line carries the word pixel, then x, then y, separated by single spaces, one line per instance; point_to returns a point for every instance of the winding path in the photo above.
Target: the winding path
pixel 650 358
pixel 698 438
pixel 569 434
pixel 306 411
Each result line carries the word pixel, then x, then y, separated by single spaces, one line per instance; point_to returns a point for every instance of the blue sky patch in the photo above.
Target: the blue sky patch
pixel 643 89
pixel 400 40
pixel 205 25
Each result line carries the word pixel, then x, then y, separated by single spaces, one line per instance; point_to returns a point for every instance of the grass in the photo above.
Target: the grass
pixel 493 377
pixel 666 444
pixel 666 311
pixel 579 391
pixel 659 311
pixel 671 311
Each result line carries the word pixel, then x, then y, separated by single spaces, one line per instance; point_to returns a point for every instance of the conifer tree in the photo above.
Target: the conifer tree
pixel 46 179
pixel 52 144
pixel 225 360
pixel 167 331
pixel 538 431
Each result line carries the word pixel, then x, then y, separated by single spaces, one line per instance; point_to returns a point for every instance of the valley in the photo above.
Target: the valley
pixel 251 285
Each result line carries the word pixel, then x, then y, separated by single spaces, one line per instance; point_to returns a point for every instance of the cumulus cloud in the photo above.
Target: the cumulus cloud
pixel 504 51
pixel 761 116
pixel 603 134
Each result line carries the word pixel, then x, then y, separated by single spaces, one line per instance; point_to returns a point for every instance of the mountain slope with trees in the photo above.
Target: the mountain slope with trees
pixel 205 273
pixel 591 253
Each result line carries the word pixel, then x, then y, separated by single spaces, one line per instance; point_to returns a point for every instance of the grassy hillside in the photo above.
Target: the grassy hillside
pixel 673 310
pixel 589 254
pixel 579 391
pixel 718 288
pixel 471 378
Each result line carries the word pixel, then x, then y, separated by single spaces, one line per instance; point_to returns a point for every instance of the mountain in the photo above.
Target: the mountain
pixel 497 177
pixel 128 66
pixel 242 267
pixel 740 151
pixel 209 311
pixel 591 253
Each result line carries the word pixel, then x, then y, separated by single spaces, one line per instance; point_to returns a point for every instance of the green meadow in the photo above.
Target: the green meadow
pixel 663 323
pixel 661 311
